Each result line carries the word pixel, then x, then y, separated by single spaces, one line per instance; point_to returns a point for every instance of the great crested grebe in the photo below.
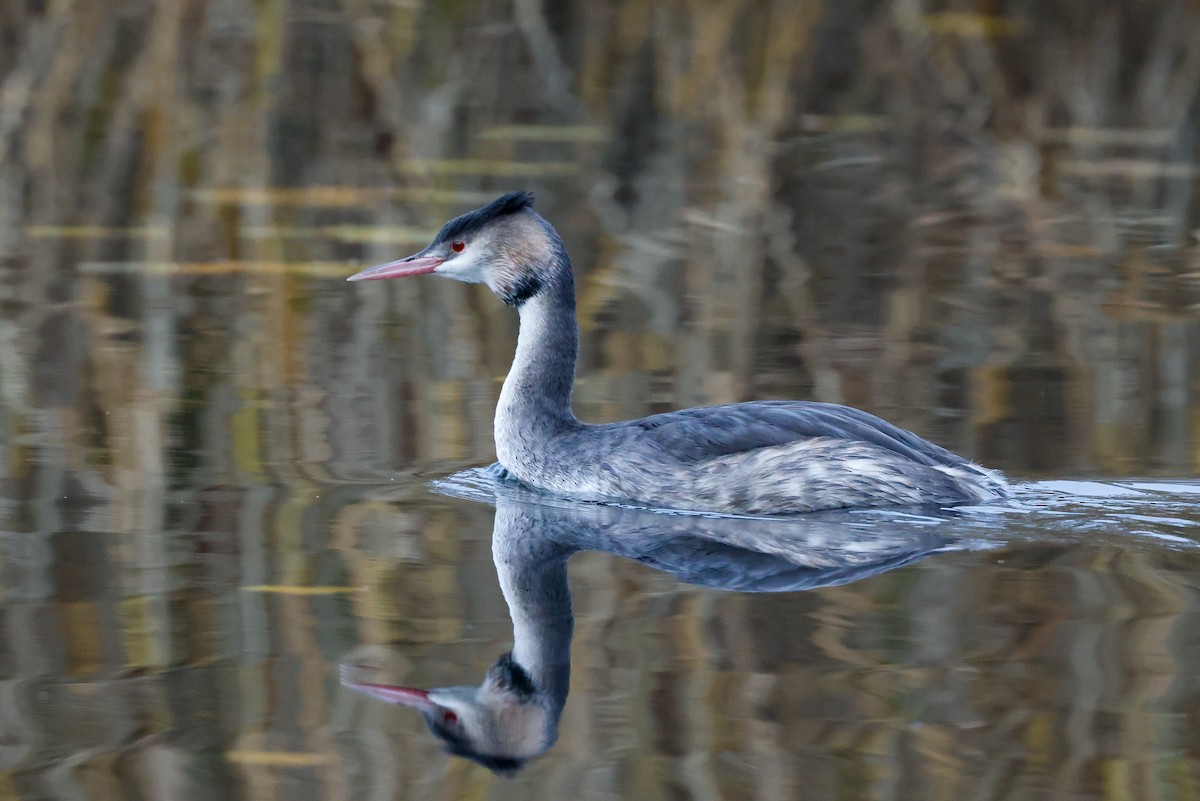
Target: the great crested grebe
pixel 762 457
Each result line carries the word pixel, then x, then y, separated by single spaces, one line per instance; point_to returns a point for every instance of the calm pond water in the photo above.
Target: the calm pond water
pixel 233 481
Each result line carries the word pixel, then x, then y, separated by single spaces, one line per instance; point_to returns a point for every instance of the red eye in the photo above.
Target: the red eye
pixel 458 246
pixel 448 717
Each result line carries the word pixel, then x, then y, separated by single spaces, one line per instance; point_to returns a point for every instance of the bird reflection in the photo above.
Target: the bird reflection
pixel 513 715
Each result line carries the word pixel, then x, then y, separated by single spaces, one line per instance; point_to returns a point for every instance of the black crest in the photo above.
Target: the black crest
pixel 472 221
pixel 460 746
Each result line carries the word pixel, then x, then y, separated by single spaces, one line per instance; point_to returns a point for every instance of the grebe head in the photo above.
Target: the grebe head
pixel 501 724
pixel 504 244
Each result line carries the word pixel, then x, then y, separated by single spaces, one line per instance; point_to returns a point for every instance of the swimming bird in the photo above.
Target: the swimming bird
pixel 760 457
pixel 513 715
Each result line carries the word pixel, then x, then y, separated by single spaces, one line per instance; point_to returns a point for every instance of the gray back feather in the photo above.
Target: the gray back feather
pixel 695 435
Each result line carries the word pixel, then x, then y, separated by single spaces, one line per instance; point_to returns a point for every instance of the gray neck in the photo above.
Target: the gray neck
pixel 533 578
pixel 535 402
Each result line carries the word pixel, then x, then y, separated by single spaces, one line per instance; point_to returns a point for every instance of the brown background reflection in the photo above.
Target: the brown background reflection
pixel 979 221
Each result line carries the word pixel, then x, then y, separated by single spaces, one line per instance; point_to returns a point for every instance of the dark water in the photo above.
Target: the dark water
pixel 979 223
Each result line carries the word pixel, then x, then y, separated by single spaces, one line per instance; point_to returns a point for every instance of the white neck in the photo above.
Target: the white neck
pixel 533 578
pixel 535 402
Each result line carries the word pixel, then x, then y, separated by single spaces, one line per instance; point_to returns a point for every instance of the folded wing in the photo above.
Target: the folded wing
pixel 696 435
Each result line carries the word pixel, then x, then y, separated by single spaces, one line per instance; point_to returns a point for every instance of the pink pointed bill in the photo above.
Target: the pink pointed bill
pixel 413 265
pixel 408 696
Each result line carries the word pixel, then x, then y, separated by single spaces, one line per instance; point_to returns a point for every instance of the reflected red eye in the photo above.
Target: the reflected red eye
pixel 449 717
pixel 458 246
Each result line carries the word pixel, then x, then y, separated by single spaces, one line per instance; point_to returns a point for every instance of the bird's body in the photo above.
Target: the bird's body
pixel 748 458
pixel 764 457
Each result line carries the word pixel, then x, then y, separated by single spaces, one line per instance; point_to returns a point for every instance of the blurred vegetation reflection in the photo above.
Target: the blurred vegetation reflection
pixel 978 221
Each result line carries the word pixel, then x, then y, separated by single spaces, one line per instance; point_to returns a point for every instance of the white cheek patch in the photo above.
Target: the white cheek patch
pixel 467 266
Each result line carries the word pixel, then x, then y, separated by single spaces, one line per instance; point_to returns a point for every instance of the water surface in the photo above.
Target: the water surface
pixel 217 454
